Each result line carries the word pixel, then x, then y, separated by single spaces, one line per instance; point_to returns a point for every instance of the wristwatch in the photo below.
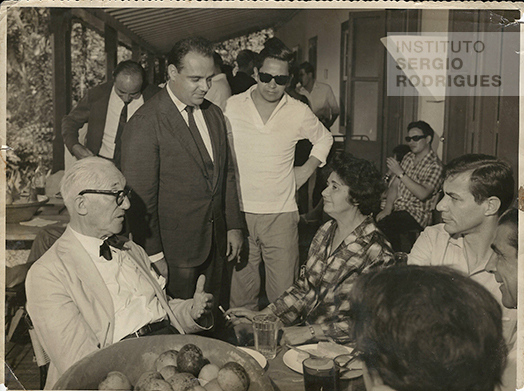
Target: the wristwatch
pixel 401 175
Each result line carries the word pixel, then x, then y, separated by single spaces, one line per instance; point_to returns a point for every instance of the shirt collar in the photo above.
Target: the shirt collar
pixel 181 106
pixel 90 243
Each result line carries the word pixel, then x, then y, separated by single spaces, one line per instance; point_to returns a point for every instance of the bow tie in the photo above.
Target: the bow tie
pixel 115 241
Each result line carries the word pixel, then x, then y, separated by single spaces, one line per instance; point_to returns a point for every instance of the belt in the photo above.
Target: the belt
pixel 148 329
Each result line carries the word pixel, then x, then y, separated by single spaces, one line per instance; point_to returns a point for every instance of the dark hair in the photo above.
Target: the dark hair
pixel 129 68
pixel 274 48
pixel 217 58
pixel 364 181
pixel 400 151
pixel 193 44
pixel 245 57
pixel 428 328
pixel 424 127
pixel 511 218
pixel 490 177
pixel 307 67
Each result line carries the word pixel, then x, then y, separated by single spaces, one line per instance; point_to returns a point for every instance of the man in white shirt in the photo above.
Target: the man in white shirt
pixel 106 109
pixel 93 288
pixel 264 125
pixel 220 90
pixel 504 265
pixel 320 95
pixel 477 190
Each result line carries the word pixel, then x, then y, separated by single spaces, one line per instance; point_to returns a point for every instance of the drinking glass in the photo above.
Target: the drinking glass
pixel 265 331
pixel 320 374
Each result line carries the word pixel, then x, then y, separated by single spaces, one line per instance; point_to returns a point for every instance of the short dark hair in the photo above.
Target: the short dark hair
pixel 274 48
pixel 400 151
pixel 129 68
pixel 307 67
pixel 490 177
pixel 426 129
pixel 245 57
pixel 192 44
pixel 365 182
pixel 511 218
pixel 217 58
pixel 428 328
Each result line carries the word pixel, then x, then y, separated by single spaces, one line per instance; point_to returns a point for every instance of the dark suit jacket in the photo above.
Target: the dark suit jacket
pixel 186 203
pixel 241 82
pixel 93 110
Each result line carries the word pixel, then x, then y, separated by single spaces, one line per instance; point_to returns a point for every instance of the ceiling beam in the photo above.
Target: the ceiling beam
pixel 88 13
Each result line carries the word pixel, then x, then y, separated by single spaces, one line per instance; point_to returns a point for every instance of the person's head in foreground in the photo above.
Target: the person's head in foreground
pixel 504 264
pixel 354 187
pixel 477 190
pixel 423 328
pixel 95 195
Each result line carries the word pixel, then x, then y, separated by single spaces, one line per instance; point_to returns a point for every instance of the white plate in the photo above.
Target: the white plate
pixel 293 360
pixel 256 355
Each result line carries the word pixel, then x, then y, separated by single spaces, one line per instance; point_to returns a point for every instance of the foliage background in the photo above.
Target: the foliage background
pixel 29 78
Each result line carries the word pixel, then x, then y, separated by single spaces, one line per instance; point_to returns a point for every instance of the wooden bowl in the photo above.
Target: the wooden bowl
pixel 23 211
pixel 135 356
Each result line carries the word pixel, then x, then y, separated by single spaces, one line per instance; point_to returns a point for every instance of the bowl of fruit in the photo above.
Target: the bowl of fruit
pixel 167 363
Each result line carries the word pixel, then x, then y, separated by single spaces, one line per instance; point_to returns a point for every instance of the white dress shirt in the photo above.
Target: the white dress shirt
pixel 114 109
pixel 134 299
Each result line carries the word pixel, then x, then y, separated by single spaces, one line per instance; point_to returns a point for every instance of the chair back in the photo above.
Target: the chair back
pixel 42 359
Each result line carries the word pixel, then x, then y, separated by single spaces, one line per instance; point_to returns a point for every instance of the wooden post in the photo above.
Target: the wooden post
pixel 150 68
pixel 111 47
pixel 61 49
pixel 135 52
pixel 162 77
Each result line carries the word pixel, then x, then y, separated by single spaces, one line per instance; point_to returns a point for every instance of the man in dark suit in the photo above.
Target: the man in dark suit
pixel 106 108
pixel 176 158
pixel 243 80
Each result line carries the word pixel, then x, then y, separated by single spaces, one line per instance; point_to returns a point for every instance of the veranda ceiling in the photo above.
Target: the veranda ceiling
pixel 162 27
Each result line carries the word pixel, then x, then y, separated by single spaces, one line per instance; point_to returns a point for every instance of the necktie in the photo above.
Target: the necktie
pixel 197 137
pixel 118 139
pixel 115 241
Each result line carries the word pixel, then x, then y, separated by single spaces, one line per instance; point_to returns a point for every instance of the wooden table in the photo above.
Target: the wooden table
pixel 54 211
pixel 285 379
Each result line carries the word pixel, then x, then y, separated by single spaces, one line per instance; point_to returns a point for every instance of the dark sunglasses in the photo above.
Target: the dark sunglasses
pixel 120 195
pixel 415 138
pixel 281 80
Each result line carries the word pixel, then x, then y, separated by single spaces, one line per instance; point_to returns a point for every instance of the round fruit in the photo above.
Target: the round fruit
pixel 154 385
pixel 213 386
pixel 190 359
pixel 168 371
pixel 233 377
pixel 208 373
pixel 197 388
pixel 146 378
pixel 182 381
pixel 165 359
pixel 115 381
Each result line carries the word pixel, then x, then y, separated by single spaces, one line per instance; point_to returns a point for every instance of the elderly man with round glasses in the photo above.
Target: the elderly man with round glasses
pixel 93 288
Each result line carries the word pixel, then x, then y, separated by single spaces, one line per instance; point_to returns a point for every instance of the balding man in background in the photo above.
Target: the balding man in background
pixel 106 109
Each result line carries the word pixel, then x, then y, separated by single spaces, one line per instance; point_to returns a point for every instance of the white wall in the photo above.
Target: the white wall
pixel 326 25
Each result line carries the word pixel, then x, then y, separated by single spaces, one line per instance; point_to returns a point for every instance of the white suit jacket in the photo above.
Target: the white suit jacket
pixel 72 309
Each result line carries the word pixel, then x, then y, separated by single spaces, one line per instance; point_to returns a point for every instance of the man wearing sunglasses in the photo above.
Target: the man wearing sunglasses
pixel 413 191
pixel 264 125
pixel 93 288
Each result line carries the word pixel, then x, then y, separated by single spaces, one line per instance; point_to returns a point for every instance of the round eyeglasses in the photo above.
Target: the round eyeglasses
pixel 120 195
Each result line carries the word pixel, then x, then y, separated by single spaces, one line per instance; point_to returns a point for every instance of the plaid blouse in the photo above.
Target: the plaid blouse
pixel 320 295
pixel 427 172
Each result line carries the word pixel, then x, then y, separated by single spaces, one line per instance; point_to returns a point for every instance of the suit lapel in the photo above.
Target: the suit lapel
pixel 73 254
pixel 178 127
pixel 215 141
pixel 143 268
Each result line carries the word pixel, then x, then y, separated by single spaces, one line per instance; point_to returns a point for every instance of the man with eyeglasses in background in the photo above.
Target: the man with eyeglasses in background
pixel 413 190
pixel 264 126
pixel 93 288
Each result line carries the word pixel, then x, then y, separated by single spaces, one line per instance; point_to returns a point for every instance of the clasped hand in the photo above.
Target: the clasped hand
pixel 202 301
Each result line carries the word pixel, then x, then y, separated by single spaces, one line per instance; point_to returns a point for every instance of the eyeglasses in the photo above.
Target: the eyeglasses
pixel 281 80
pixel 415 138
pixel 120 195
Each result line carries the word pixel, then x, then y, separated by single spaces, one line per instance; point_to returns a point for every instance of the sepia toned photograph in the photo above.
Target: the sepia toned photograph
pixel 252 196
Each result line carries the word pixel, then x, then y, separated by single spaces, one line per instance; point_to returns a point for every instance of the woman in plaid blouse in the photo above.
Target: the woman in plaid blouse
pixel 316 306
